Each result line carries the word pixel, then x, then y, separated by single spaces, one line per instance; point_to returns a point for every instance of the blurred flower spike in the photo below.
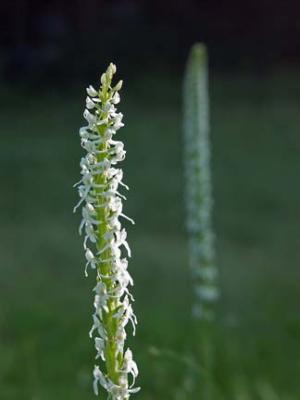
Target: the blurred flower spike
pixel 198 184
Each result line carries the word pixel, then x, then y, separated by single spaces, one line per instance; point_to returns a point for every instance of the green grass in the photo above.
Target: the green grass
pixel 46 304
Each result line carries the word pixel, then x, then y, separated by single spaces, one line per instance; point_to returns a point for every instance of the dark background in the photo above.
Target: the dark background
pixel 63 39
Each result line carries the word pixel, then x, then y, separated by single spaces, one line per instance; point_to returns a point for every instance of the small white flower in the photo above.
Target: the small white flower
pixel 91 260
pixel 100 346
pixel 129 366
pixel 84 133
pixel 121 240
pixel 103 79
pixel 117 122
pixel 99 378
pixel 97 326
pixel 112 69
pixel 91 118
pixel 89 103
pixel 116 98
pixel 91 91
pixel 90 233
pixel 118 86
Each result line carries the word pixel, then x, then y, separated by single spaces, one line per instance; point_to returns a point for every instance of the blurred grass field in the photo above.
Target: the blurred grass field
pixel 46 304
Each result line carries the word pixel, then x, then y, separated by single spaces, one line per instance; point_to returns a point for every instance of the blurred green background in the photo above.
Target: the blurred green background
pixel 46 306
pixel 49 52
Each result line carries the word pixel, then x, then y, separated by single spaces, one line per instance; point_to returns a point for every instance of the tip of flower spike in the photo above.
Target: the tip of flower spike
pixel 199 48
pixel 198 52
pixel 106 78
pixel 112 69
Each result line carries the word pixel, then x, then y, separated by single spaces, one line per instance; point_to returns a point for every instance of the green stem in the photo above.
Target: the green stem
pixel 110 323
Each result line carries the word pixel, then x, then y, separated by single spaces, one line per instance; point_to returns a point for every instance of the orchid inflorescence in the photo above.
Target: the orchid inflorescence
pixel 104 237
pixel 198 183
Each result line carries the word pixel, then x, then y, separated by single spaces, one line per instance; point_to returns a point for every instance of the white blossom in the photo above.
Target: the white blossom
pixel 91 91
pixel 129 365
pixel 90 104
pixel 105 240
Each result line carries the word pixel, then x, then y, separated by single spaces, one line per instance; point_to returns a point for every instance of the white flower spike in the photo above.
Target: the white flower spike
pixel 198 185
pixel 105 240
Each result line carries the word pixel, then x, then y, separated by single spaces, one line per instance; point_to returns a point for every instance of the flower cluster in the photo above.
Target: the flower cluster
pixel 104 237
pixel 198 183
